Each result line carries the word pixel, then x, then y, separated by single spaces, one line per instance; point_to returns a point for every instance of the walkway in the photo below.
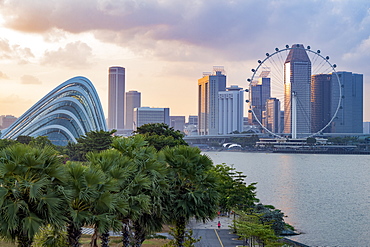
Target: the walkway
pixel 211 236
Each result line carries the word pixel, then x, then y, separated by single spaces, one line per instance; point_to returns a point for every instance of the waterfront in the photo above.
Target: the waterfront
pixel 327 197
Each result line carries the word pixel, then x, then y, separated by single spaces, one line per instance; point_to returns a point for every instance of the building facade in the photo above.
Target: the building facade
pixel 146 115
pixel 349 118
pixel 321 108
pixel 70 110
pixel 177 123
pixel 208 87
pixel 231 110
pixel 133 100
pixel 297 88
pixel 260 92
pixel 273 117
pixel 116 99
pixel 6 121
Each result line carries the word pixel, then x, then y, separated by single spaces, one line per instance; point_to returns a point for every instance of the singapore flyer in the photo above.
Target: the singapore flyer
pixel 294 92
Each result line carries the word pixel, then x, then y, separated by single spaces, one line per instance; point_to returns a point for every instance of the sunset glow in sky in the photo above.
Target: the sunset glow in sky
pixel 166 45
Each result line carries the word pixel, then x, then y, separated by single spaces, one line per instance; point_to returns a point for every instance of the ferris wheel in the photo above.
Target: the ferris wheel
pixel 294 92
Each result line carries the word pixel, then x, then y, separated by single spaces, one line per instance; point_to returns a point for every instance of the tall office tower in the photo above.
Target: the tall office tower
pixel 146 115
pixel 177 123
pixel 273 117
pixel 208 88
pixel 321 112
pixel 116 99
pixel 260 92
pixel 350 114
pixel 297 81
pixel 230 107
pixel 133 100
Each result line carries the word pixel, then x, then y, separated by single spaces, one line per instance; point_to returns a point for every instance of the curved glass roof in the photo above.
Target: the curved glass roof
pixel 70 110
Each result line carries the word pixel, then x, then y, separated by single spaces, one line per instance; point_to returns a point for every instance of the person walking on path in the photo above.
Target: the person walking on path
pixel 219 225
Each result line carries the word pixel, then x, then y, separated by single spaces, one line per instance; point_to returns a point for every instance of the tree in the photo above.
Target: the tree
pixel 93 141
pixel 24 139
pixel 151 167
pixel 94 199
pixel 192 184
pixel 41 142
pixel 251 228
pixel 234 193
pixel 32 192
pixel 161 135
pixel 6 143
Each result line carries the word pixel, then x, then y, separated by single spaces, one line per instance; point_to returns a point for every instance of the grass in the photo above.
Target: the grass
pixel 114 242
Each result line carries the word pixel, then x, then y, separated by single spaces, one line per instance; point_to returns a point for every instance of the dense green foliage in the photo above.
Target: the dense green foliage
pixel 234 193
pixel 130 184
pixel 160 135
pixel 94 141
pixel 32 192
pixel 193 188
pixel 248 141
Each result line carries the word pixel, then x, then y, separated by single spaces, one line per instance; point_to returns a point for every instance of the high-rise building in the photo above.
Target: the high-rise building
pixel 177 123
pixel 193 120
pixel 146 115
pixel 349 118
pixel 133 100
pixel 273 117
pixel 116 99
pixel 6 121
pixel 297 85
pixel 208 87
pixel 230 110
pixel 260 92
pixel 321 109
pixel 366 127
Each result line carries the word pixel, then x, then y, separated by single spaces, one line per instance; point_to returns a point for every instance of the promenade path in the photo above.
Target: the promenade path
pixel 211 236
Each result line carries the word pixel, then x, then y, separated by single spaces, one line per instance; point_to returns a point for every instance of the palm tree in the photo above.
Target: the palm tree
pixel 151 171
pixel 192 188
pixel 94 201
pixel 32 194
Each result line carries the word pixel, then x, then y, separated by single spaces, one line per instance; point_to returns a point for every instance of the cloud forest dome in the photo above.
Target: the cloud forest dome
pixel 70 110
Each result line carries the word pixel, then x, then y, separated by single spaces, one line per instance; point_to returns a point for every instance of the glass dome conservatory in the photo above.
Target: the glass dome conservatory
pixel 70 110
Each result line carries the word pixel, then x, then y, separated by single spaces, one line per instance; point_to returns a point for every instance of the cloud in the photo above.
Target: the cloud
pixel 8 51
pixel 3 75
pixel 74 55
pixel 232 30
pixel 29 79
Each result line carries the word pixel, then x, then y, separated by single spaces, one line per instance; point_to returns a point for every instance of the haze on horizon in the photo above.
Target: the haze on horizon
pixel 166 45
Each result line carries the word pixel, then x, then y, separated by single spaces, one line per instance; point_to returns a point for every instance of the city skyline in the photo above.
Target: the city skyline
pixel 165 46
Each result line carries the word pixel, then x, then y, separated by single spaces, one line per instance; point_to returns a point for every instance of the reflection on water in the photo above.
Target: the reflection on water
pixel 325 196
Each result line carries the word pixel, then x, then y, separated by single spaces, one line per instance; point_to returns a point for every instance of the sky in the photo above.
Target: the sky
pixel 166 45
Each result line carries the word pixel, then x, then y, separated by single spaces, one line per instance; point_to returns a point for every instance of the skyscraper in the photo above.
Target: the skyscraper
pixel 297 85
pixel 208 88
pixel 231 110
pixel 321 95
pixel 350 114
pixel 260 92
pixel 133 100
pixel 116 99
pixel 273 117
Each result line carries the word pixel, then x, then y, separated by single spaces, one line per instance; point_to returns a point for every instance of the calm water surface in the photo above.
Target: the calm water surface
pixel 327 197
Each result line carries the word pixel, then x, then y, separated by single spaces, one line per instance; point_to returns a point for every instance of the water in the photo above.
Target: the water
pixel 327 197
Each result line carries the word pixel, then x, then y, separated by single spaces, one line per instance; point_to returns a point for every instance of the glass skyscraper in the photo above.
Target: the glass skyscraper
pixel 208 88
pixel 116 99
pixel 297 80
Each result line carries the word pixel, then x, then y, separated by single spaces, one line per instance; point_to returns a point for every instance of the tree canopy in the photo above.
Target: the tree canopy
pixel 160 135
